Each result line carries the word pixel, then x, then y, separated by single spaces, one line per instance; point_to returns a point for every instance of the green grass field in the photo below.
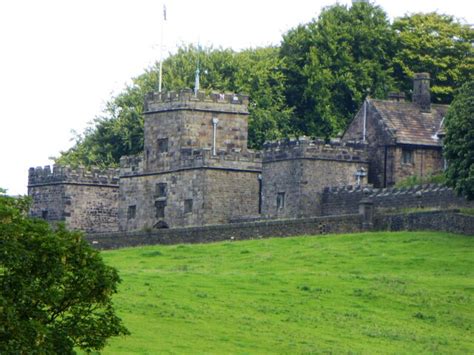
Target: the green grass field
pixel 359 293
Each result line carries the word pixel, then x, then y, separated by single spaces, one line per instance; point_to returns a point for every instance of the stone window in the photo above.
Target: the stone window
pixel 132 212
pixel 280 200
pixel 407 156
pixel 188 206
pixel 44 214
pixel 162 145
pixel 160 209
pixel 161 189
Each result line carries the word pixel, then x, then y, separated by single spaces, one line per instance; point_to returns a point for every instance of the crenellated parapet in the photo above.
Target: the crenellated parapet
pixel 304 148
pixel 389 191
pixel 186 99
pixel 238 159
pixel 345 199
pixel 190 158
pixel 131 164
pixel 65 174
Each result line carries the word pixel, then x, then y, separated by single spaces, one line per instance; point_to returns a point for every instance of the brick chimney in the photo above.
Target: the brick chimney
pixel 421 91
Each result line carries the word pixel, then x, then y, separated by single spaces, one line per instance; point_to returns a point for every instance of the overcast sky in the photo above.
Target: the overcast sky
pixel 61 60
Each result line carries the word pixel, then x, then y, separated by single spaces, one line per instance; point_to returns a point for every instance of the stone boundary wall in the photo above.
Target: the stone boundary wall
pixel 198 158
pixel 186 99
pixel 302 147
pixel 236 231
pixel 345 200
pixel 66 175
pixel 446 221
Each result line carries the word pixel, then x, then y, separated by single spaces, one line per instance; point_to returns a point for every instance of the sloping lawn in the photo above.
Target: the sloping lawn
pixel 360 293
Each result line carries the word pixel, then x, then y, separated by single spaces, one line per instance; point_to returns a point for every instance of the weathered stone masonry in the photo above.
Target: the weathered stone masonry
pixel 345 199
pixel 196 168
pixel 82 199
pixel 296 171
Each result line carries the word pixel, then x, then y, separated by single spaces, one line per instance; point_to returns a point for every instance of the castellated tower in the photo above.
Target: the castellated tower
pixel 296 171
pixel 195 168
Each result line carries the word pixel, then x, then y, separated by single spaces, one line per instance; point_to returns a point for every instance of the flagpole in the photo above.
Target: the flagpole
pixel 160 74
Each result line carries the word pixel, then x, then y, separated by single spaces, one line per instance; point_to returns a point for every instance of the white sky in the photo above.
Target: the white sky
pixel 60 60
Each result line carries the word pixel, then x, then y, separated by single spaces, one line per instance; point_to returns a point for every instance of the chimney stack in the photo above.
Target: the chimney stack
pixel 421 91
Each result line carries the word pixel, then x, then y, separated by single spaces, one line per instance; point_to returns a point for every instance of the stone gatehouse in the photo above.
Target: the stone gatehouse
pixel 196 168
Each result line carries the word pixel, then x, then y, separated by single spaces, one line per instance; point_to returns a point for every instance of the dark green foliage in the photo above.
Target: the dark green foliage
pixel 436 44
pixel 459 141
pixel 333 63
pixel 55 289
pixel 312 84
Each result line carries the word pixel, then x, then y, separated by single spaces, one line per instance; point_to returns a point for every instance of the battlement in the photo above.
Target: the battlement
pixel 186 99
pixel 196 158
pixel 345 199
pixel 302 147
pixel 204 155
pixel 131 164
pixel 65 174
pixel 393 191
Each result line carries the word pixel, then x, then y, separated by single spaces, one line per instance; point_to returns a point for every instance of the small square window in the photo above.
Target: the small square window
pixel 188 206
pixel 44 214
pixel 162 145
pixel 132 211
pixel 407 156
pixel 160 209
pixel 161 189
pixel 280 200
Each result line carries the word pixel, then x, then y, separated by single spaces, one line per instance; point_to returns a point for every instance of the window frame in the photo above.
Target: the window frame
pixel 280 200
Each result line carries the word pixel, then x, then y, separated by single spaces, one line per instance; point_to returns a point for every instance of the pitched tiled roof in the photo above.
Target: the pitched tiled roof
pixel 409 124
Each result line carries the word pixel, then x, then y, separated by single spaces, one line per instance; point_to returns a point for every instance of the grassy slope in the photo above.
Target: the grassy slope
pixel 369 293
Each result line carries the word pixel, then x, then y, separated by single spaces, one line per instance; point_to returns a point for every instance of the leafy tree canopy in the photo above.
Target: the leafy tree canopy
pixel 55 289
pixel 333 62
pixel 312 84
pixel 459 141
pixel 436 44
pixel 256 72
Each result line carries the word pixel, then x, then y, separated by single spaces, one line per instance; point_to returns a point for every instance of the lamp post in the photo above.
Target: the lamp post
pixel 360 173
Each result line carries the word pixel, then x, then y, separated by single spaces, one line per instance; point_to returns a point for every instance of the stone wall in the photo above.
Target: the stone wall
pixel 179 122
pixel 343 200
pixel 447 221
pixel 378 139
pixel 85 200
pixel 295 172
pixel 187 197
pixel 195 158
pixel 231 232
pixel 425 161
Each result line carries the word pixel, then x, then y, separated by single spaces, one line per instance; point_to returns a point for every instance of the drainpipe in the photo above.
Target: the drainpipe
pixel 364 129
pixel 215 121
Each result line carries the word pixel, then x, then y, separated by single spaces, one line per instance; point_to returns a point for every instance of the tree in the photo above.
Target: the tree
pixel 55 289
pixel 436 44
pixel 459 141
pixel 256 72
pixel 333 63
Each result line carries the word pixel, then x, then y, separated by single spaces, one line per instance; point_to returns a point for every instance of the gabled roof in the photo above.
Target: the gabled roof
pixel 409 124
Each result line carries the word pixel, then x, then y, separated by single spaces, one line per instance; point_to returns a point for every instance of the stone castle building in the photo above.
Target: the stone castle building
pixel 196 168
